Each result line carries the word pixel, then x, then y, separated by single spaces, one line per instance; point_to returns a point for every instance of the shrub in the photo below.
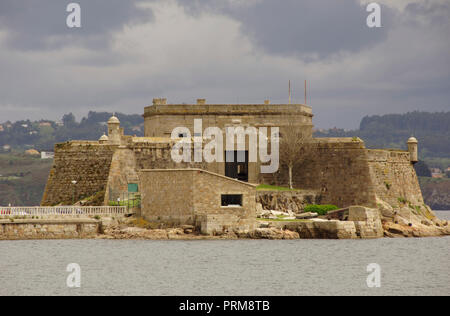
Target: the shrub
pixel 320 209
pixel 402 200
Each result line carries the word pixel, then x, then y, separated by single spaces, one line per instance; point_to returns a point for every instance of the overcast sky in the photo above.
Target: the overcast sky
pixel 227 51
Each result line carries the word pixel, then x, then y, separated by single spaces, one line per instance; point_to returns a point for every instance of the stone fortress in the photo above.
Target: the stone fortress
pixel 222 195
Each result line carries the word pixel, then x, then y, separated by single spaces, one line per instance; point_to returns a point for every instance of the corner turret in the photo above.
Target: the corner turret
pixel 104 139
pixel 114 130
pixel 412 148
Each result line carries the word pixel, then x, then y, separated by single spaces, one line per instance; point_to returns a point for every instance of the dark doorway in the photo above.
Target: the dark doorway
pixel 236 169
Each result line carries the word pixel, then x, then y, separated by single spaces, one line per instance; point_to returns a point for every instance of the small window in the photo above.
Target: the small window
pixel 232 200
pixel 181 135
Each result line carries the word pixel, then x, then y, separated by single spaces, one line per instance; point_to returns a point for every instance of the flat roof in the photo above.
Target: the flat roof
pixel 226 109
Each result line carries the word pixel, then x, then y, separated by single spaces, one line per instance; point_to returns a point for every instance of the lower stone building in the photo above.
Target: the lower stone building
pixel 209 201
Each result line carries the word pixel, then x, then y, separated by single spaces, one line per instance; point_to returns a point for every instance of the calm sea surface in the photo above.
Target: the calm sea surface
pixel 244 267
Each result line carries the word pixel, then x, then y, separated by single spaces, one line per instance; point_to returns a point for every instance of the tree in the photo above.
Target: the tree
pixel 296 149
pixel 69 120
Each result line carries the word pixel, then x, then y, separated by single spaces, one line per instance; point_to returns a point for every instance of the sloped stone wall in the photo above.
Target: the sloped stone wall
pixel 345 173
pixel 338 171
pixel 394 178
pixel 122 172
pixel 88 163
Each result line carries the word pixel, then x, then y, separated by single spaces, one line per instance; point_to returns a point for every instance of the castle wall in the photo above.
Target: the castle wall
pixel 338 171
pixel 151 153
pixel 345 173
pixel 86 162
pixel 394 178
pixel 123 170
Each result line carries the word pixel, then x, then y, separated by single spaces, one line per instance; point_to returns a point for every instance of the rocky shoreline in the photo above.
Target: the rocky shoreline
pixel 359 223
pixel 367 226
pixel 272 233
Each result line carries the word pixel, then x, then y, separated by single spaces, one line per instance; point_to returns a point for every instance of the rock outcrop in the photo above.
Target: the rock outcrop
pixel 408 220
pixel 286 201
pixel 367 222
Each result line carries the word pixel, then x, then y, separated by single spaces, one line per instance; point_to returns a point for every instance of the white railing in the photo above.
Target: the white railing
pixel 62 211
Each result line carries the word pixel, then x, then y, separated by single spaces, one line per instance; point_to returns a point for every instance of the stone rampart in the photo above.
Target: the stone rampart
pixel 338 171
pixel 87 163
pixel 345 173
pixel 393 177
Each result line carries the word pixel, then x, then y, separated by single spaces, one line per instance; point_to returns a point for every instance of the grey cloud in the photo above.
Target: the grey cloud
pixel 302 28
pixel 431 10
pixel 31 24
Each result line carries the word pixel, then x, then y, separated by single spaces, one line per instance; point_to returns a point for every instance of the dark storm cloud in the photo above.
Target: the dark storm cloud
pixel 42 24
pixel 304 28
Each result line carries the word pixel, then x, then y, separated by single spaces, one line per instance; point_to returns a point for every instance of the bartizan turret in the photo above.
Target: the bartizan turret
pixel 412 148
pixel 114 130
pixel 104 139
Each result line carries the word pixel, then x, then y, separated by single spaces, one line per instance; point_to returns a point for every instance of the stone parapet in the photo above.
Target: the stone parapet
pixel 225 109
pixel 19 229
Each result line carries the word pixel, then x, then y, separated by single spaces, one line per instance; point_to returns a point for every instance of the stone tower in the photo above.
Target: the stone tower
pixel 412 148
pixel 114 130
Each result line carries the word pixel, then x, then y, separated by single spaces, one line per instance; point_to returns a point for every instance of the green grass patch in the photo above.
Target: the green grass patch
pixel 402 200
pixel 268 187
pixel 320 209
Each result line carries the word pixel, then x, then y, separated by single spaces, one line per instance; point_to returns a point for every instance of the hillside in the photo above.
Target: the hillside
pixel 436 192
pixel 22 179
pixel 43 134
pixel 392 131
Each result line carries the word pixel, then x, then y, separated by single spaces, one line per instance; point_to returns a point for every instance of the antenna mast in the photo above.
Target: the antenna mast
pixel 305 92
pixel 289 91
